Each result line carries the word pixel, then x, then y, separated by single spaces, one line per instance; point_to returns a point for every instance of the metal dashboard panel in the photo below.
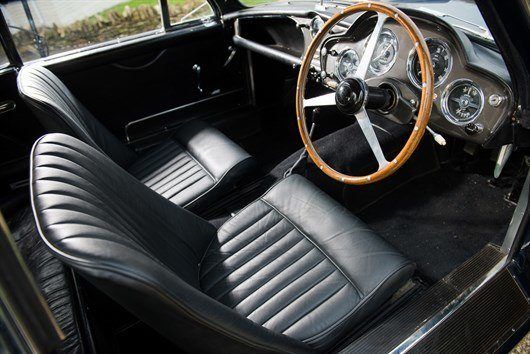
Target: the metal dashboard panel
pixel 490 118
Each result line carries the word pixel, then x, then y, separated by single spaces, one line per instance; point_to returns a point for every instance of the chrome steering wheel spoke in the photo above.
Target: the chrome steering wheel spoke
pixel 366 59
pixel 369 134
pixel 324 100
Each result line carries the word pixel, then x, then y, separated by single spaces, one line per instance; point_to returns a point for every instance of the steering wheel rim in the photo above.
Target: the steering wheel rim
pixel 386 168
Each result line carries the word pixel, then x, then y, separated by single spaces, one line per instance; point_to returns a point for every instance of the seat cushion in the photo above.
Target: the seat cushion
pixel 137 247
pixel 194 167
pixel 298 263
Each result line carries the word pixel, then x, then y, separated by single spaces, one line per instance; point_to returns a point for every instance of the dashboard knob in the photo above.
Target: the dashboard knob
pixel 473 128
pixel 495 100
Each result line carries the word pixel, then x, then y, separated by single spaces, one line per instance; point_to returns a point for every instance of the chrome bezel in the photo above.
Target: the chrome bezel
pixel 313 20
pixel 445 96
pixel 391 64
pixel 410 69
pixel 339 59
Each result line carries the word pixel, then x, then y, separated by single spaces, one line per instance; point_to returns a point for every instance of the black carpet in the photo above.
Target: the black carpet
pixel 441 219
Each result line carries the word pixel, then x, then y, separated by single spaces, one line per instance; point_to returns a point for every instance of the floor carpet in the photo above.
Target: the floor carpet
pixel 441 219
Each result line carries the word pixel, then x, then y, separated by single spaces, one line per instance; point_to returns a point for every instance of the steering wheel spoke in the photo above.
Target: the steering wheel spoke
pixel 369 134
pixel 364 63
pixel 323 100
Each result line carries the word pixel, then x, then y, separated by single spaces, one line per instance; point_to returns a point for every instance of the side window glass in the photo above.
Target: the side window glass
pixel 4 61
pixel 181 11
pixel 41 28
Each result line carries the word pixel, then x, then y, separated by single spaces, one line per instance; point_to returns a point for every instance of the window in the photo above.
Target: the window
pixel 4 61
pixel 41 28
pixel 251 3
pixel 188 10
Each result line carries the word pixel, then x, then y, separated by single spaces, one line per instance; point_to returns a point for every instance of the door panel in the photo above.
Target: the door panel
pixel 152 85
pixel 144 87
pixel 18 130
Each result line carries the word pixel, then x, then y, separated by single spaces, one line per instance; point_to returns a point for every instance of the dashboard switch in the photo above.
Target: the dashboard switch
pixel 473 128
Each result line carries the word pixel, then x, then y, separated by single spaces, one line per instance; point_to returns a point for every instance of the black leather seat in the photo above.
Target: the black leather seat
pixel 293 271
pixel 193 168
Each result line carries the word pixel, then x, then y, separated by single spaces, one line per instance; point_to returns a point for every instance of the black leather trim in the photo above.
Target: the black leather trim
pixel 256 231
pixel 148 285
pixel 316 245
pixel 294 271
pixel 235 175
pixel 219 164
pixel 59 111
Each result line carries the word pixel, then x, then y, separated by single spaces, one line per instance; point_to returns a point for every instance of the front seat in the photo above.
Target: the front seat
pixel 293 271
pixel 196 166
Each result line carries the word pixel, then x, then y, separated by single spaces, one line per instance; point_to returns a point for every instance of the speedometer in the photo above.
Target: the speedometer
pixel 385 53
pixel 347 64
pixel 441 59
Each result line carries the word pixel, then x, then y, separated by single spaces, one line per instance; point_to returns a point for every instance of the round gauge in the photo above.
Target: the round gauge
pixel 347 64
pixel 462 101
pixel 385 53
pixel 315 25
pixel 442 62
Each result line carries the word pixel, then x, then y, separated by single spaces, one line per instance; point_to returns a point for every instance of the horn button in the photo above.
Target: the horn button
pixel 351 95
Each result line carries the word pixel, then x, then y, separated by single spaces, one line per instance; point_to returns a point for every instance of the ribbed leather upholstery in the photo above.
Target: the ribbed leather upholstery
pixel 296 262
pixel 271 273
pixel 291 272
pixel 59 111
pixel 193 168
pixel 171 171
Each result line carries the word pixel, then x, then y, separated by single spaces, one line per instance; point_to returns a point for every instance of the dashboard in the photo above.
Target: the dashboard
pixel 473 99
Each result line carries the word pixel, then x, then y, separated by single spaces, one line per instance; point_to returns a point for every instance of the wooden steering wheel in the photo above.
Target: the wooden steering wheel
pixel 353 96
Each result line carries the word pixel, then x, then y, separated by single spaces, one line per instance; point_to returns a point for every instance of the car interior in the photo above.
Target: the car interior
pixel 278 178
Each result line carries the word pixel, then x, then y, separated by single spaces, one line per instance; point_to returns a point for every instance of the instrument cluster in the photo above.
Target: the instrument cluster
pixel 462 95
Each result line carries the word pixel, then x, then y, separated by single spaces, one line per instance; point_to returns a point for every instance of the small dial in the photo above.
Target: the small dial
pixel 315 25
pixel 462 101
pixel 385 53
pixel 347 64
pixel 441 58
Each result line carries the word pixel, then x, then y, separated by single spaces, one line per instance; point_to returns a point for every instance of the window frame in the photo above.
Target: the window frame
pixel 8 44
pixel 15 60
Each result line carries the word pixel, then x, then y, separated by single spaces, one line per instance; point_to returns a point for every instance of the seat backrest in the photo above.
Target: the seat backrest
pixel 136 246
pixel 59 111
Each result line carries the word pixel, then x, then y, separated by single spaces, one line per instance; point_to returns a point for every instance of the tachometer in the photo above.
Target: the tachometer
pixel 385 53
pixel 462 101
pixel 347 64
pixel 442 62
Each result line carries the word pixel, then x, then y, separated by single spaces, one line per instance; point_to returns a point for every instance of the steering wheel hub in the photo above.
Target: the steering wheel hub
pixel 351 95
